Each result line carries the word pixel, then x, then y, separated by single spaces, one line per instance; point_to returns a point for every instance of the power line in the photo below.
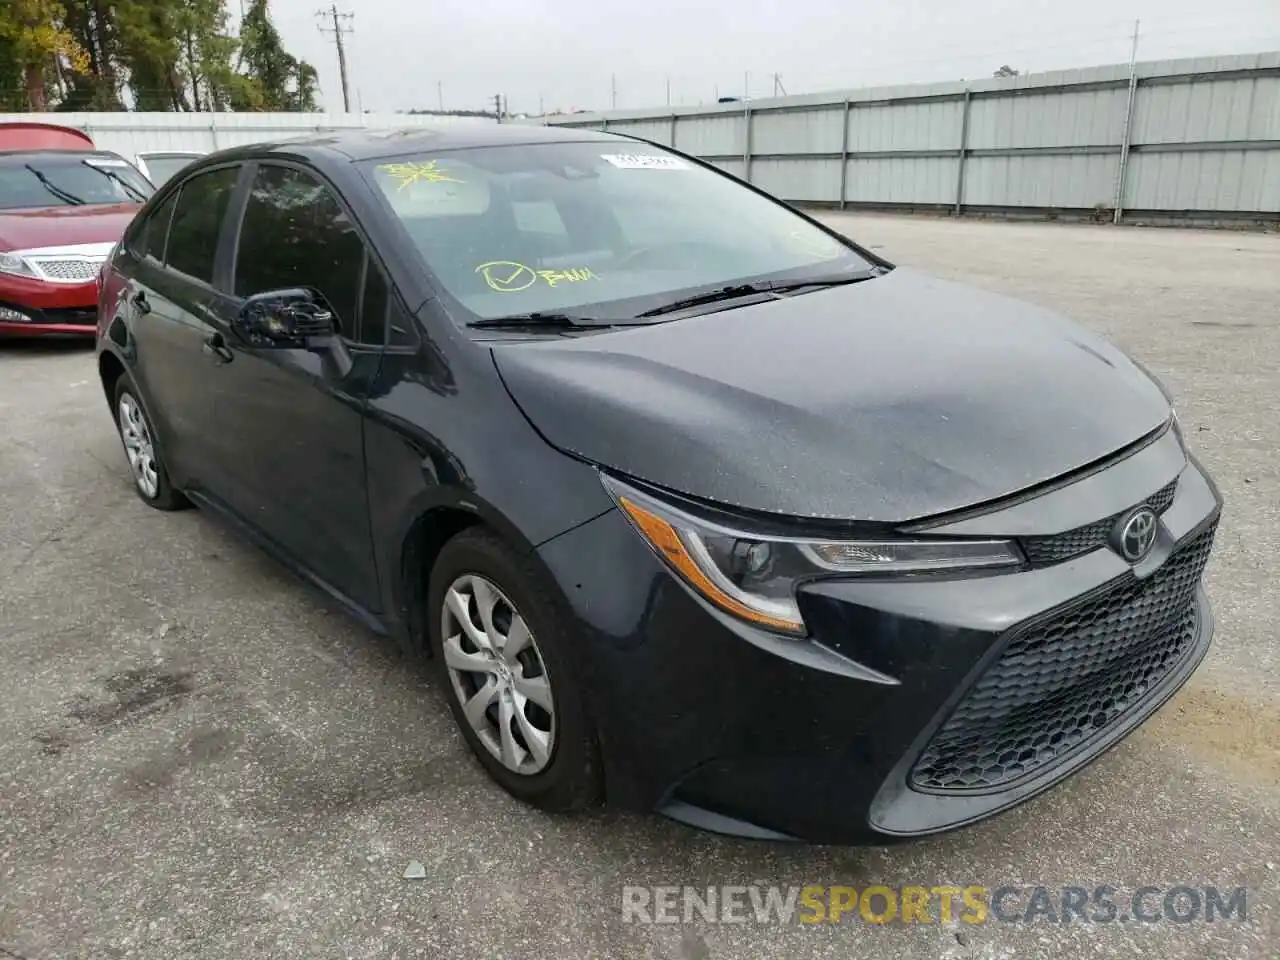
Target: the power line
pixel 341 24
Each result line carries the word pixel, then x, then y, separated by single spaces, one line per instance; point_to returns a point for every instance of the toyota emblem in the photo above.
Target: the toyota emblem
pixel 1136 534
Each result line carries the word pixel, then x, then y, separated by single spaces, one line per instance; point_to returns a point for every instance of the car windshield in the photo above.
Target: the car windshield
pixel 71 179
pixel 603 229
pixel 163 166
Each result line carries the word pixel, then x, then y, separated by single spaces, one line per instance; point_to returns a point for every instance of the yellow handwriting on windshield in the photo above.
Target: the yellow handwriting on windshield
pixel 510 276
pixel 552 277
pixel 426 171
pixel 507 276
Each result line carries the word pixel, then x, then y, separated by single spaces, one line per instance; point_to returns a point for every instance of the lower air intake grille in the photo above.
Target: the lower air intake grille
pixel 1068 681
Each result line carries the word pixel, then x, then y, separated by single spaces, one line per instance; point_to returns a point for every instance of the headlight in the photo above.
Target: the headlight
pixel 12 263
pixel 754 576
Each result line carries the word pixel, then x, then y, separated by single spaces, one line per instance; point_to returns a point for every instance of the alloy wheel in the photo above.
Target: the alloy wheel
pixel 139 446
pixel 498 675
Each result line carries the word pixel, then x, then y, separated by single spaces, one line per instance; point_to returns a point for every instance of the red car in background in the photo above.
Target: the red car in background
pixel 63 205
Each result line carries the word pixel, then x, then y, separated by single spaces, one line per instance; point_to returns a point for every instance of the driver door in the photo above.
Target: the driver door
pixel 290 423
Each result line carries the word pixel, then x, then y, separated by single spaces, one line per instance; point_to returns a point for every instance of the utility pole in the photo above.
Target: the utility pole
pixel 497 106
pixel 777 85
pixel 1126 138
pixel 440 94
pixel 668 90
pixel 341 25
pixel 613 91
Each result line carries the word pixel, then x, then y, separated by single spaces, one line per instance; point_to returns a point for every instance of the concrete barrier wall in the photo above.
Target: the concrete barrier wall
pixel 1193 138
pixel 131 133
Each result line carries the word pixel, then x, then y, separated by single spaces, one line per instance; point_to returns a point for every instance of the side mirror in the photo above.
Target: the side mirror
pixel 297 318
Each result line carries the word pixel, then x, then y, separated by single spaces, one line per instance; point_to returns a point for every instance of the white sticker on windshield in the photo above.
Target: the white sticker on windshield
pixel 644 161
pixel 105 162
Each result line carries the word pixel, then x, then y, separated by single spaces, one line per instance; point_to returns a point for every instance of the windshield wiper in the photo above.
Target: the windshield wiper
pixel 58 192
pixel 837 280
pixel 739 290
pixel 549 321
pixel 133 191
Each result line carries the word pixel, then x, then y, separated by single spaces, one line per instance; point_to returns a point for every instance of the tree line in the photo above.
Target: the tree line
pixel 153 55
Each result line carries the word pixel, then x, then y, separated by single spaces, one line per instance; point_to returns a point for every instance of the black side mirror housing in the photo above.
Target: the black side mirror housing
pixel 297 318
pixel 292 319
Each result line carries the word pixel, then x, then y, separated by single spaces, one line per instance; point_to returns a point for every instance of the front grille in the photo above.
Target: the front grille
pixel 1062 546
pixel 1060 685
pixel 69 270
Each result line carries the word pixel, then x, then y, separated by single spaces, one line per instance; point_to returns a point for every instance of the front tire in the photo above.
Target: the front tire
pixel 501 643
pixel 150 478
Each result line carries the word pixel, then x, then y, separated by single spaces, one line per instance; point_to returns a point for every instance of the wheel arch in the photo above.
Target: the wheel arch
pixel 110 369
pixel 432 526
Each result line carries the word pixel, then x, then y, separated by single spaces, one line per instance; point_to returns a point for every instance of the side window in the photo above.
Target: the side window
pixel 400 329
pixel 149 237
pixel 295 233
pixel 197 221
pixel 373 308
pixel 382 319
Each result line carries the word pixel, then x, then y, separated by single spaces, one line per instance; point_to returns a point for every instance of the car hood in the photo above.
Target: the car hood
pixel 61 226
pixel 889 400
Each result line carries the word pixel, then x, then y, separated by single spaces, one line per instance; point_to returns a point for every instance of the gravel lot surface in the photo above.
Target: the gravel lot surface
pixel 201 757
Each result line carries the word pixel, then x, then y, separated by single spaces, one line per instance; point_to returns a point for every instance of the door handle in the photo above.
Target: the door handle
pixel 215 346
pixel 139 301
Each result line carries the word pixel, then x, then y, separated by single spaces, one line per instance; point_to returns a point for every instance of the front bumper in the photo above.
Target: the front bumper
pixel 731 729
pixel 63 309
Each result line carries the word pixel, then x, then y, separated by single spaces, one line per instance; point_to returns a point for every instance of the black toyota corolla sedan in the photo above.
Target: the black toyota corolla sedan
pixel 698 506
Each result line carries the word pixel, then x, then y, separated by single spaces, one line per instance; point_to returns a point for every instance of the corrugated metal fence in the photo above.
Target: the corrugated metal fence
pixel 1183 138
pixel 132 133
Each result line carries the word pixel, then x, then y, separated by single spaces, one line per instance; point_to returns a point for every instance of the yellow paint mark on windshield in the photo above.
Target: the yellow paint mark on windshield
pixel 426 171
pixel 509 276
pixel 567 276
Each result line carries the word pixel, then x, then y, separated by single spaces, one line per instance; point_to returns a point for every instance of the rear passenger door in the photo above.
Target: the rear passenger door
pixel 293 425
pixel 168 305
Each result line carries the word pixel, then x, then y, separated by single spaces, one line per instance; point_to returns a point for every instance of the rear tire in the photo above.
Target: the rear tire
pixel 502 645
pixel 150 477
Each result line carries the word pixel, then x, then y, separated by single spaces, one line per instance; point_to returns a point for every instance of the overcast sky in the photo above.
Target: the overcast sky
pixel 569 53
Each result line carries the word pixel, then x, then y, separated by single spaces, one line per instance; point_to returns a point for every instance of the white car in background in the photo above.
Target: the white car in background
pixel 159 165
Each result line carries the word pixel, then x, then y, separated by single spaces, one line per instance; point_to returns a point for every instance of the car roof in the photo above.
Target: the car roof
pixel 56 152
pixel 374 144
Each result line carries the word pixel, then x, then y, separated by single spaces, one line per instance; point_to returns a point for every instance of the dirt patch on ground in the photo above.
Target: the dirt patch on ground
pixel 1225 729
pixel 133 692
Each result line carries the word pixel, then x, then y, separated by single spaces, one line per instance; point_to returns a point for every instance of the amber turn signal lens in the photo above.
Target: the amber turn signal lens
pixel 667 542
